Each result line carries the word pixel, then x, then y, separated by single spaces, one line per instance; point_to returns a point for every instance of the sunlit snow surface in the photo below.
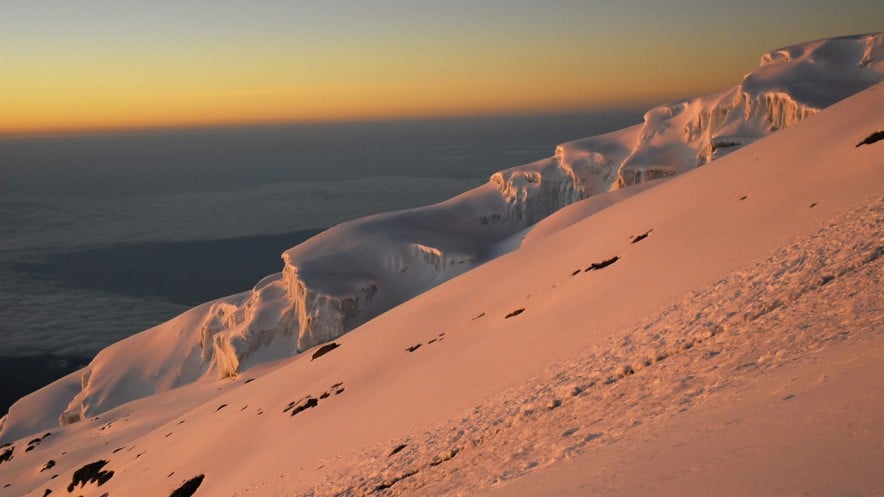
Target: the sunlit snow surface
pixel 669 300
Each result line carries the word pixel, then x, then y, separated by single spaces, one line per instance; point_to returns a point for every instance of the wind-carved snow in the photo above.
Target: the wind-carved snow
pixel 355 271
pixel 790 85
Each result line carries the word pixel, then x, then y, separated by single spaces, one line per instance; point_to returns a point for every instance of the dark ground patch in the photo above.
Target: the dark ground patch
pixel 603 264
pixel 6 455
pixel 90 473
pixel 874 137
pixel 301 405
pixel 189 487
pixel 325 349
pixel 515 313
pixel 397 450
pixel 641 237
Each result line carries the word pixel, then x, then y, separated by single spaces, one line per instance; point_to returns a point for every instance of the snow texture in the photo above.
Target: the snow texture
pixel 349 275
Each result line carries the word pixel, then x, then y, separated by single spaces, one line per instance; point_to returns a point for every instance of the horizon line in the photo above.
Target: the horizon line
pixel 64 131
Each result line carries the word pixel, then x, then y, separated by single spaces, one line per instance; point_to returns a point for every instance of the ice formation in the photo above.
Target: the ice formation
pixel 355 271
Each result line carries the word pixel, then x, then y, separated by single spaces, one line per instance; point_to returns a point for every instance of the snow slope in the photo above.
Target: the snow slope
pixel 358 270
pixel 580 345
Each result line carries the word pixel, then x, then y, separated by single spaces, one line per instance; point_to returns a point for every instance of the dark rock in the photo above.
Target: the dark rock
pixel 189 487
pixel 47 492
pixel 325 349
pixel 413 348
pixel 222 406
pixel 515 313
pixel 7 455
pixel 478 316
pixel 603 264
pixel 874 137
pixel 641 237
pixel 576 272
pixel 308 403
pixel 90 473
pixel 397 450
pixel 49 464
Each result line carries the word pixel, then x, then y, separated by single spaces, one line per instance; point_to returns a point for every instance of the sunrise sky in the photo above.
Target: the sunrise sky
pixel 78 65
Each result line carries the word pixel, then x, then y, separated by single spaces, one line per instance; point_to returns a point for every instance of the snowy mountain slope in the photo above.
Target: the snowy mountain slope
pixel 775 230
pixel 355 271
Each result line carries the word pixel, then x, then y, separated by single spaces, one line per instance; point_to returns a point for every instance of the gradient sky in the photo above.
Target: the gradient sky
pixel 74 65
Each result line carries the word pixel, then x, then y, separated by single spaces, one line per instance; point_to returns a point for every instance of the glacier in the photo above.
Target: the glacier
pixel 357 270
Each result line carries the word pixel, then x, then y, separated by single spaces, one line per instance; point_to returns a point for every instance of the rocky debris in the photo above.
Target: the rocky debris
pixel 90 473
pixel 7 454
pixel 603 264
pixel 638 238
pixel 32 444
pixel 397 450
pixel 325 349
pixel 189 487
pixel 301 405
pixel 874 137
pixel 515 313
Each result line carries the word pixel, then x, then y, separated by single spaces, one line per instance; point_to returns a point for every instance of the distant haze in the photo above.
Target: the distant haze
pixel 76 65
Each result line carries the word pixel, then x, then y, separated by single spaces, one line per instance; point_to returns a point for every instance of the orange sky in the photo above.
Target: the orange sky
pixel 89 66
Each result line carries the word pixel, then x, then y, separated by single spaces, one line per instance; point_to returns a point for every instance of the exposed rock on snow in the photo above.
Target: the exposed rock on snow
pixel 355 271
pixel 874 137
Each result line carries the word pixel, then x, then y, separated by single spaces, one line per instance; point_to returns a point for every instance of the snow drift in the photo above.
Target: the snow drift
pixel 355 271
